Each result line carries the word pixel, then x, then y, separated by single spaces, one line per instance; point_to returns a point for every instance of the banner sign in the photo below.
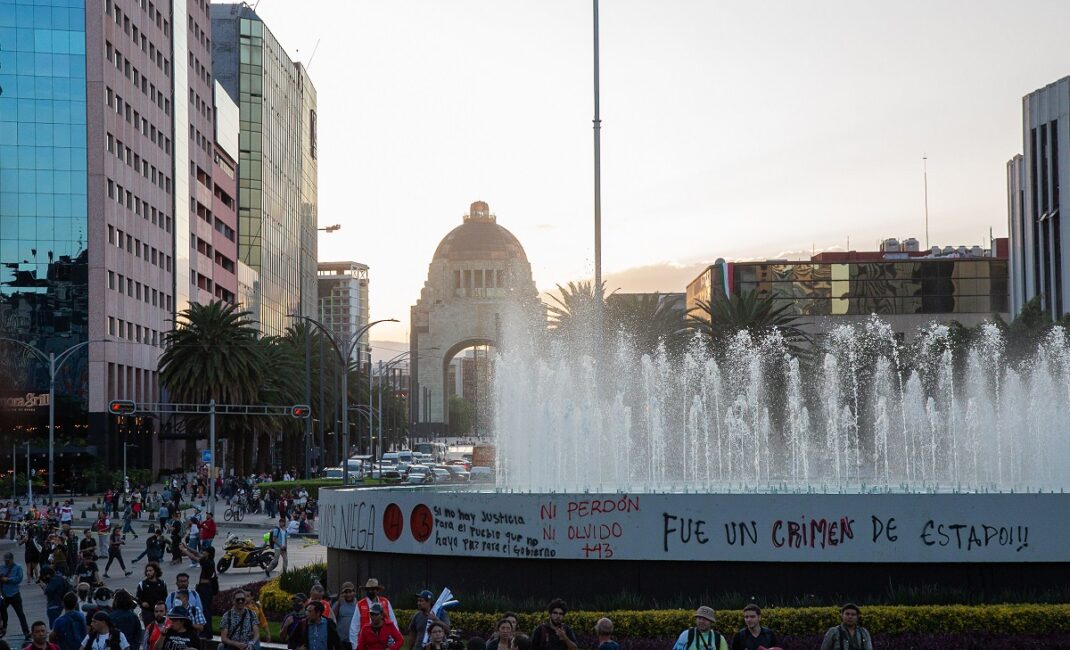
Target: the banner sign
pixel 699 527
pixel 27 402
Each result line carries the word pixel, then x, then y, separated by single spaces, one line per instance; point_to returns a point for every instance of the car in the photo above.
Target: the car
pixel 418 479
pixel 460 474
pixel 332 472
pixel 482 475
pixel 441 475
pixel 418 469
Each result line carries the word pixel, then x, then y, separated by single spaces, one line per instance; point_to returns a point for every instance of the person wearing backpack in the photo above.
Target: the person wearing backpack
pixel 702 636
pixel 849 634
pixel 294 618
pixel 239 628
pixel 103 635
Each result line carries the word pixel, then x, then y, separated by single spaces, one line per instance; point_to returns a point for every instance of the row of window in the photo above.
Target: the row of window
pixel 479 279
pixel 142 292
pixel 132 245
pixel 130 331
pixel 206 249
pixel 140 81
pixel 140 122
pixel 140 207
pixel 128 382
pixel 111 8
pixel 127 155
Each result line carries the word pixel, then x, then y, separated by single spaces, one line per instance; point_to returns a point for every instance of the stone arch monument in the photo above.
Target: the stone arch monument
pixel 478 272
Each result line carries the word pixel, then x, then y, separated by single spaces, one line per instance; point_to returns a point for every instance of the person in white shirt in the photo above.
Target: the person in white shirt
pixel 100 635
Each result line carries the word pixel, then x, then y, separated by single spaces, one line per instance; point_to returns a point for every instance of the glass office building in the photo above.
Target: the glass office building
pixel 44 260
pixel 944 288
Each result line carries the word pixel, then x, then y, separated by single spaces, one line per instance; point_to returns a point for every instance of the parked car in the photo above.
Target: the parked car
pixel 332 472
pixel 418 479
pixel 481 475
pixel 418 469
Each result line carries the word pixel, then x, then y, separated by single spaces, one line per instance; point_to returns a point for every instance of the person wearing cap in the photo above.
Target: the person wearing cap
pixel 372 597
pixel 103 635
pixel 294 618
pixel 316 632
pixel 101 601
pixel 554 634
pixel 423 618
pixel 345 608
pixel 11 576
pixel 848 635
pixel 277 540
pixel 183 600
pixel 379 633
pixel 702 636
pixel 178 632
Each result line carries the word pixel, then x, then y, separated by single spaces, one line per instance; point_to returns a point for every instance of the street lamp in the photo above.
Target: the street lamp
pixel 343 358
pixel 53 367
pixel 128 445
pixel 331 228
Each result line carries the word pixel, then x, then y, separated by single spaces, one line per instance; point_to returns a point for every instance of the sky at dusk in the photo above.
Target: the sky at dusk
pixel 730 129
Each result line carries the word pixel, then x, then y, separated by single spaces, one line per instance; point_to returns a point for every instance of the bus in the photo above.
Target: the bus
pixel 436 450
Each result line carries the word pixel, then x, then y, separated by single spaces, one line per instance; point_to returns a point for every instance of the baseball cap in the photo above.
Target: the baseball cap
pixel 376 608
pixel 426 595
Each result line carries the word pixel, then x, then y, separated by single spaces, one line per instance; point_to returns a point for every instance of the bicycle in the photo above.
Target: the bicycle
pixel 234 512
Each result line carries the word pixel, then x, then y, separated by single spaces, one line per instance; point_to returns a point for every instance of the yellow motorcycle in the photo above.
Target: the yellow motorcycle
pixel 243 554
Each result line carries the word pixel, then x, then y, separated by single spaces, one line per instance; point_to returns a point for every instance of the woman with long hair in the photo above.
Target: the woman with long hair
pixel 115 551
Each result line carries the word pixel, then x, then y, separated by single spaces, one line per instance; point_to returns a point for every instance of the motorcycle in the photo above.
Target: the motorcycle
pixel 242 554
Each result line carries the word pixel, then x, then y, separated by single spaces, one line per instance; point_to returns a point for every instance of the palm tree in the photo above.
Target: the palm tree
pixel 213 353
pixel 575 308
pixel 720 320
pixel 649 320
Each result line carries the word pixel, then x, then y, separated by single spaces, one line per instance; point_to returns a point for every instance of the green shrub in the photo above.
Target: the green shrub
pixel 312 485
pixel 300 579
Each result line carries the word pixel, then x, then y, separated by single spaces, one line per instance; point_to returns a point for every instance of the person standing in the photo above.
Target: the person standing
pixel 155 627
pixel 154 547
pixel 70 628
pixel 193 539
pixel 239 627
pixel 554 634
pixel 849 634
pixel 208 531
pixel 88 544
pixel 423 618
pixel 345 608
pixel 380 633
pixel 150 591
pixel 363 616
pixel 115 551
pixel 182 584
pixel 103 635
pixel 125 619
pixel 39 638
pixel 604 629
pixel 11 577
pixel 55 585
pixel 317 632
pixel 278 540
pixel 178 632
pixel 753 635
pixel 702 636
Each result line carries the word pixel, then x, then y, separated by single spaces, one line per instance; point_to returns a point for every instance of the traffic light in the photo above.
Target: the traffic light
pixel 122 407
pixel 301 411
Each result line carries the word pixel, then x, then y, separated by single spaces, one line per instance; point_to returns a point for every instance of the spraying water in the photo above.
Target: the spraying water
pixel 758 417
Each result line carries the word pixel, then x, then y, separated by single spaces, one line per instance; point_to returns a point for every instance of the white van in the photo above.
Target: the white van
pixel 390 458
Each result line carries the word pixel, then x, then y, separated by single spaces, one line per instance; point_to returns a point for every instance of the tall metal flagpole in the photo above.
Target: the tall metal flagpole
pixel 597 188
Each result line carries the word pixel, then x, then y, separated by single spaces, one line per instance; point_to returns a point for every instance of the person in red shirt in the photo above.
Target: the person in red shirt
pixel 380 634
pixel 208 531
pixel 39 638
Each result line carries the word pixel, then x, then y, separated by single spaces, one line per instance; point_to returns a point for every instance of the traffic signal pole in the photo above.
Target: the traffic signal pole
pixel 211 409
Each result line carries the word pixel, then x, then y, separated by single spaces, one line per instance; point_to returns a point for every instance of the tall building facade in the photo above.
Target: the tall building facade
pixel 110 218
pixel 1039 236
pixel 343 300
pixel 277 166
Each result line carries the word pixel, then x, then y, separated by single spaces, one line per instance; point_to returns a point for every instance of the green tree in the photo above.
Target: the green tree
pixel 720 320
pixel 460 416
pixel 649 320
pixel 574 308
pixel 213 353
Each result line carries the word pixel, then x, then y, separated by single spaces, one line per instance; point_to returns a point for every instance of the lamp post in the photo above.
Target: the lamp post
pixel 55 362
pixel 128 445
pixel 344 357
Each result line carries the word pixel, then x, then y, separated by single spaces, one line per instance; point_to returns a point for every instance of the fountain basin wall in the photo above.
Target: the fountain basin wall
pixel 673 543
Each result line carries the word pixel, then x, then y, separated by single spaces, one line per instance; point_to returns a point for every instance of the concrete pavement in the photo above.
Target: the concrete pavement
pixel 302 551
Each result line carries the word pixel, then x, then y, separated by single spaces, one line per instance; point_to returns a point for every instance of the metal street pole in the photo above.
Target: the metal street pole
pixel 308 400
pixel 371 405
pixel 29 481
pixel 211 456
pixel 379 415
pixel 597 187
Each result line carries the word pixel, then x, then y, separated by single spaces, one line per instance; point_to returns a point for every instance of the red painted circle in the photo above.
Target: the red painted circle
pixel 421 523
pixel 393 522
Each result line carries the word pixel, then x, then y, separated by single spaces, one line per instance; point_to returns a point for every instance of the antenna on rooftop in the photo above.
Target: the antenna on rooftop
pixel 925 179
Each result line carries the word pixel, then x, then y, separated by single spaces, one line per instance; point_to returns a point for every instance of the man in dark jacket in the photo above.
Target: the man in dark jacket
pixel 316 632
pixel 55 585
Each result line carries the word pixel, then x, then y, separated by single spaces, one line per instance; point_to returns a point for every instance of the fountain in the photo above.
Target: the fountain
pixel 863 460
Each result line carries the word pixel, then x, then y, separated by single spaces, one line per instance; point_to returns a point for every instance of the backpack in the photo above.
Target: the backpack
pixel 714 644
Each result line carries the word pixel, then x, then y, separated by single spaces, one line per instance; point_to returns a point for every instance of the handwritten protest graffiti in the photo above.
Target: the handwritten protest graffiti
pixel 753 527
